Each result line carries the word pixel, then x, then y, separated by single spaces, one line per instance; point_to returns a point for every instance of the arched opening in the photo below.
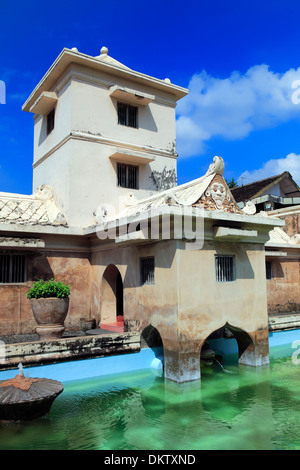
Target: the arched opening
pixel 225 346
pixel 112 302
pixel 150 338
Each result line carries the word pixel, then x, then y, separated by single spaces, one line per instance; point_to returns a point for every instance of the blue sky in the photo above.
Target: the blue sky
pixel 238 58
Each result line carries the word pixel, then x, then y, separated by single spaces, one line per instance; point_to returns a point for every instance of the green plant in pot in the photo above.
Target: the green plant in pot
pixel 50 305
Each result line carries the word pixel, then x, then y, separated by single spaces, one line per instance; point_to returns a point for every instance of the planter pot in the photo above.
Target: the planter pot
pixel 50 314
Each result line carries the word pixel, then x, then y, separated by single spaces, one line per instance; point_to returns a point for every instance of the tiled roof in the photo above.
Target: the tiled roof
pixel 249 191
pixel 36 209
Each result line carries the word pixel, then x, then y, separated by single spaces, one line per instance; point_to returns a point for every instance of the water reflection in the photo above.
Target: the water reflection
pixel 252 408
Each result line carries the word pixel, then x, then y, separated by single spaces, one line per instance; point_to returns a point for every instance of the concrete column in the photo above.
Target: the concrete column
pixel 256 353
pixel 181 365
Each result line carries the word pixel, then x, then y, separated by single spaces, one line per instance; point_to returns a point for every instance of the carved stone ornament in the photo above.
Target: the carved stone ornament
pixel 217 167
pixel 218 197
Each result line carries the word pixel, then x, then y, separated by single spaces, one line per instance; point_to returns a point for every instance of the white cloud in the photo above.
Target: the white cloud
pixel 233 107
pixel 274 167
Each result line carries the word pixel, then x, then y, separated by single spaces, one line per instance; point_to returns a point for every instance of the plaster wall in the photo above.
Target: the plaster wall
pixel 54 172
pixel 292 223
pixel 75 158
pixel 72 268
pixel 94 111
pixel 284 288
pixel 206 305
pixel 44 143
pixel 143 304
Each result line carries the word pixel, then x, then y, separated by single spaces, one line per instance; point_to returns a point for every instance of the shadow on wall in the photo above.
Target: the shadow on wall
pixel 111 295
pixel 243 267
pixel 150 338
pixel 221 341
pixel 38 268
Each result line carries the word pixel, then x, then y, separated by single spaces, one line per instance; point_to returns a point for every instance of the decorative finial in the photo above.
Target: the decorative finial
pixel 217 167
pixel 167 80
pixel 74 49
pixel 104 50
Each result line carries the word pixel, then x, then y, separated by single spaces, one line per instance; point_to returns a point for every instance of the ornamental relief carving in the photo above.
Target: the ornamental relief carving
pixel 218 197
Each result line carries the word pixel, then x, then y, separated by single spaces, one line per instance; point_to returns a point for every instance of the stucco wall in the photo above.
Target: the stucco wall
pixel 75 158
pixel 15 310
pixel 186 301
pixel 292 224
pixel 206 305
pixel 155 304
pixel 284 288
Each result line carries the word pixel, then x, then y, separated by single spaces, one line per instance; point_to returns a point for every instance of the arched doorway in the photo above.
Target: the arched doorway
pixel 112 302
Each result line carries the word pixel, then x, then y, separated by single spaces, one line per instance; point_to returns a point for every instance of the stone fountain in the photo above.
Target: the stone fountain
pixel 24 398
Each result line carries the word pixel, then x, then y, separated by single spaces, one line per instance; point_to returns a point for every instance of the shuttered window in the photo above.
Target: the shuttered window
pixel 127 176
pixel 225 269
pixel 127 115
pixel 12 269
pixel 147 270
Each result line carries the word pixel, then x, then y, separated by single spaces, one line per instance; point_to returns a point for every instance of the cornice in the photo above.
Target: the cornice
pixel 89 137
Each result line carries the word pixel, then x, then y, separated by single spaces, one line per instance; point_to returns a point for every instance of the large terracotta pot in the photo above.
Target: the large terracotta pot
pixel 50 314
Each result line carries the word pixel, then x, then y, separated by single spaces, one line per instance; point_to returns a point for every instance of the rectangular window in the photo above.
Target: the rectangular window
pixel 269 270
pixel 147 270
pixel 50 121
pixel 127 176
pixel 12 269
pixel 225 269
pixel 127 115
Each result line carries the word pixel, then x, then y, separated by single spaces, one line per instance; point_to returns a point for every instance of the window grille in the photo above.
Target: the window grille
pixel 225 271
pixel 50 121
pixel 127 176
pixel 127 115
pixel 147 271
pixel 269 270
pixel 12 269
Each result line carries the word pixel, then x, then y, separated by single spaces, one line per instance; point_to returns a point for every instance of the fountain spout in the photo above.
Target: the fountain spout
pixel 21 370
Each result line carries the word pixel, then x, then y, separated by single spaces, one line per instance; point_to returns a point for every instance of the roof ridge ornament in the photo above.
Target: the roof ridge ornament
pixel 104 51
pixel 217 167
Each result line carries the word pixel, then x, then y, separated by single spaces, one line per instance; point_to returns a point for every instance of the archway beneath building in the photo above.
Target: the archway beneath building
pixel 228 342
pixel 150 338
pixel 112 300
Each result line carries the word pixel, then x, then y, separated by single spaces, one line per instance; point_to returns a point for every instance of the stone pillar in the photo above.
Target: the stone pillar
pixel 182 362
pixel 255 353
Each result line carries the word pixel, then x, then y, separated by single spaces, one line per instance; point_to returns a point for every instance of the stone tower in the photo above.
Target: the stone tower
pixel 103 134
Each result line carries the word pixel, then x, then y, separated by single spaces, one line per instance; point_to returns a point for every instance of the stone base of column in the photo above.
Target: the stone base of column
pixel 181 366
pixel 257 353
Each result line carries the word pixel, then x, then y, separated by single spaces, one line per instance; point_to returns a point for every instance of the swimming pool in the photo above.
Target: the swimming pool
pixel 235 408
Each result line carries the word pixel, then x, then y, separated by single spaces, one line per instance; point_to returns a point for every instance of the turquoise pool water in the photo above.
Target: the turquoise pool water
pixel 239 408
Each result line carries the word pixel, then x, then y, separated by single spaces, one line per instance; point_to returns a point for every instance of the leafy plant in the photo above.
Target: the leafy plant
pixel 51 288
pixel 231 184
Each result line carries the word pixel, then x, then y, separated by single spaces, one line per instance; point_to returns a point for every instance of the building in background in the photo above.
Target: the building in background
pixel 279 197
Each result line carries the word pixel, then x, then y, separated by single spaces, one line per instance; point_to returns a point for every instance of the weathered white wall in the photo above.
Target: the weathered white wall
pixel 75 157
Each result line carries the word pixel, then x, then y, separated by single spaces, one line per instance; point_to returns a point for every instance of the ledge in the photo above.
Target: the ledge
pixel 45 102
pixel 66 349
pixel 276 254
pixel 128 156
pixel 130 96
pixel 284 322
pixel 233 233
